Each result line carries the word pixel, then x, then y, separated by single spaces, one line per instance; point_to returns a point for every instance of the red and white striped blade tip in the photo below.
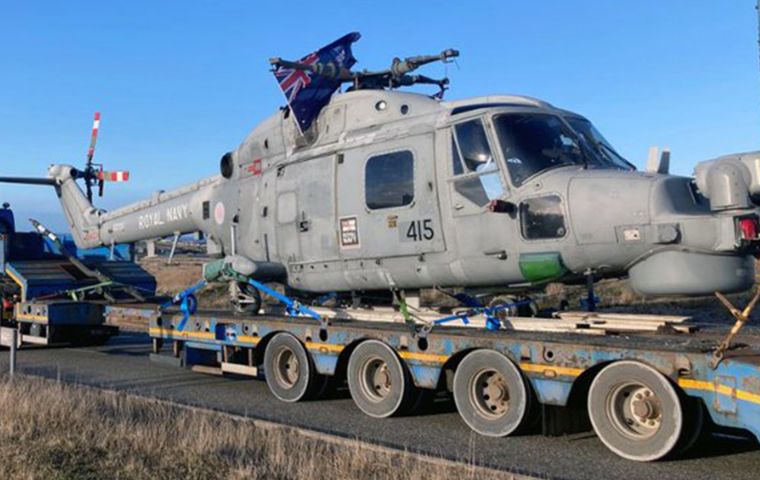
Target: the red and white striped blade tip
pixel 119 176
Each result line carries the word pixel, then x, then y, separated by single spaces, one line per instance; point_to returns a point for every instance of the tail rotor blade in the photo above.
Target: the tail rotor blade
pixel 94 138
pixel 101 184
pixel 114 176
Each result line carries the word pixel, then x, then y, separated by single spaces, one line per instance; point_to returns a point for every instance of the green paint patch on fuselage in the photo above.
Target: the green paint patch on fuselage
pixel 539 267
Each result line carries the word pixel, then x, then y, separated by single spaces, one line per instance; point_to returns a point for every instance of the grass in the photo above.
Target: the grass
pixel 58 431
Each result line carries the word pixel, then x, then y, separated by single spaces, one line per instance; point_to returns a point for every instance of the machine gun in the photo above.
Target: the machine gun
pixel 398 75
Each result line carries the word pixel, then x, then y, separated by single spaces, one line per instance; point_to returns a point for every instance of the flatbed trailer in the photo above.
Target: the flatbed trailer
pixel 647 395
pixel 48 291
pixel 61 322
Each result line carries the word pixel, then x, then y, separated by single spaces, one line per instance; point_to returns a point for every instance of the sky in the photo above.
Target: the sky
pixel 179 83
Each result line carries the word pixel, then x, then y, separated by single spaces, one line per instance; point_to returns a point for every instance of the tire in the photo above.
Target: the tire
pixel 379 382
pixel 289 370
pixel 694 425
pixel 491 394
pixel 636 411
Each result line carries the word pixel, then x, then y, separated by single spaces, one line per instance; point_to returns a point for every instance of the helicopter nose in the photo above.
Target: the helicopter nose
pixel 673 272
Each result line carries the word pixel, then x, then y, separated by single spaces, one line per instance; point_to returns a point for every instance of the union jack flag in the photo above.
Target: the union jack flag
pixel 307 92
pixel 292 80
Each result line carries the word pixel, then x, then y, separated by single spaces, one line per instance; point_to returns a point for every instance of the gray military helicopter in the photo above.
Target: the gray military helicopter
pixel 388 190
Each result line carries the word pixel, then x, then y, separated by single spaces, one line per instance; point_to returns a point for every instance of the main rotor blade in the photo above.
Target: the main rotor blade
pixel 94 138
pixel 28 180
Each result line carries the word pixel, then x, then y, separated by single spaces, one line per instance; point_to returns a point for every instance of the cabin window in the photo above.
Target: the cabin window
pixel 542 218
pixel 389 180
pixel 480 180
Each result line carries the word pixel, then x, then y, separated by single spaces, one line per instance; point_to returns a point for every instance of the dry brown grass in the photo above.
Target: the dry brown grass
pixel 52 430
pixel 182 273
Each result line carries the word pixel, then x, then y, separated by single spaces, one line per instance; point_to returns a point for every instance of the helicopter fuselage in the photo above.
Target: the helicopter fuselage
pixel 399 190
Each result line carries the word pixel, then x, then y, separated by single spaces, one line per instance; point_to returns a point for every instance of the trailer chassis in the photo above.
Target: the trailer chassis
pixel 647 384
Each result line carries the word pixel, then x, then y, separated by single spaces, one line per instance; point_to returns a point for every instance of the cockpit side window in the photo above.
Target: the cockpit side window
pixel 473 145
pixel 456 158
pixel 472 160
pixel 542 218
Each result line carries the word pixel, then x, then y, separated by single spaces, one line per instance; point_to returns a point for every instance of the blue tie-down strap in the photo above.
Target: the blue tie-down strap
pixel 293 307
pixel 492 321
pixel 187 301
pixel 589 306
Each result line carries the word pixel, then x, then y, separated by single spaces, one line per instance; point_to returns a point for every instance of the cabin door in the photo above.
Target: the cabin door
pixel 305 216
pixel 387 200
pixel 485 241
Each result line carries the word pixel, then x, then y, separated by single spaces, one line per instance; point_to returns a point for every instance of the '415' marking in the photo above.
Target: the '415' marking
pixel 417 230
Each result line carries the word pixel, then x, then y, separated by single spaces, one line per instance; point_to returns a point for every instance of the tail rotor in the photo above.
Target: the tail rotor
pixel 93 173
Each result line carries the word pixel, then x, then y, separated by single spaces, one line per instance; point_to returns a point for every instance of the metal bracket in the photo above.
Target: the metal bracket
pixel 741 316
pixel 174 248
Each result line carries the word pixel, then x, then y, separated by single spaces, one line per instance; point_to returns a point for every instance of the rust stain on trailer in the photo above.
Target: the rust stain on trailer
pixel 551 371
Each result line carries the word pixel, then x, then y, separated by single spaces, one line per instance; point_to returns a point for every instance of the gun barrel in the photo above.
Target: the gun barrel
pixel 401 67
pixel 329 69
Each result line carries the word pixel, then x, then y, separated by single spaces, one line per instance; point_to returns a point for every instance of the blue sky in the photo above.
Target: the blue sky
pixel 180 83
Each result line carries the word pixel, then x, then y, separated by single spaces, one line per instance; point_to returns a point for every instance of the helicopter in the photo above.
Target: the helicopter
pixel 388 190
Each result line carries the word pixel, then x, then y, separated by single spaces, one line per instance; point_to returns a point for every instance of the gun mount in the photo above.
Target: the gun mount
pixel 396 76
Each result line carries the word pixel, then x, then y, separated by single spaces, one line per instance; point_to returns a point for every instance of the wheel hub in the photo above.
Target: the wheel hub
pixel 490 394
pixel 377 382
pixel 288 368
pixel 635 410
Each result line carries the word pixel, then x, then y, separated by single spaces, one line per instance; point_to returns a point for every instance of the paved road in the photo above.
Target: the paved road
pixel 123 364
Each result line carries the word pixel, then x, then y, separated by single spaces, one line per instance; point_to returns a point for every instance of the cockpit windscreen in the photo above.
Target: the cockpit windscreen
pixel 533 143
pixel 599 144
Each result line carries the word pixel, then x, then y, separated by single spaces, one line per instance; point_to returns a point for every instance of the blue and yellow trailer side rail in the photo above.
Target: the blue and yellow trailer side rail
pixel 558 367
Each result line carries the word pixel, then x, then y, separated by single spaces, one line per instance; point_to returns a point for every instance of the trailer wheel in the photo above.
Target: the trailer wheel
pixel 490 393
pixel 379 383
pixel 635 411
pixel 288 369
pixel 693 426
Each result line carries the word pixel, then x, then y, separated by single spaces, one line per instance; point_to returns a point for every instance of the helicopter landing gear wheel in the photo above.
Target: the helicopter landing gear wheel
pixel 244 298
pixel 289 370
pixel 635 411
pixel 379 383
pixel 491 394
pixel 518 307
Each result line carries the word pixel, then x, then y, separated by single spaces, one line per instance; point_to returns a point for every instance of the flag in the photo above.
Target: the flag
pixel 308 92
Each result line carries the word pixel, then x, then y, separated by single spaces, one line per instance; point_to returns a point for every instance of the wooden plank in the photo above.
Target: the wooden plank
pixel 636 317
pixel 239 369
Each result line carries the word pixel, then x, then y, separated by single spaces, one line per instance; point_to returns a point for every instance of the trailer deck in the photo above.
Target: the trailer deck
pixel 558 367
